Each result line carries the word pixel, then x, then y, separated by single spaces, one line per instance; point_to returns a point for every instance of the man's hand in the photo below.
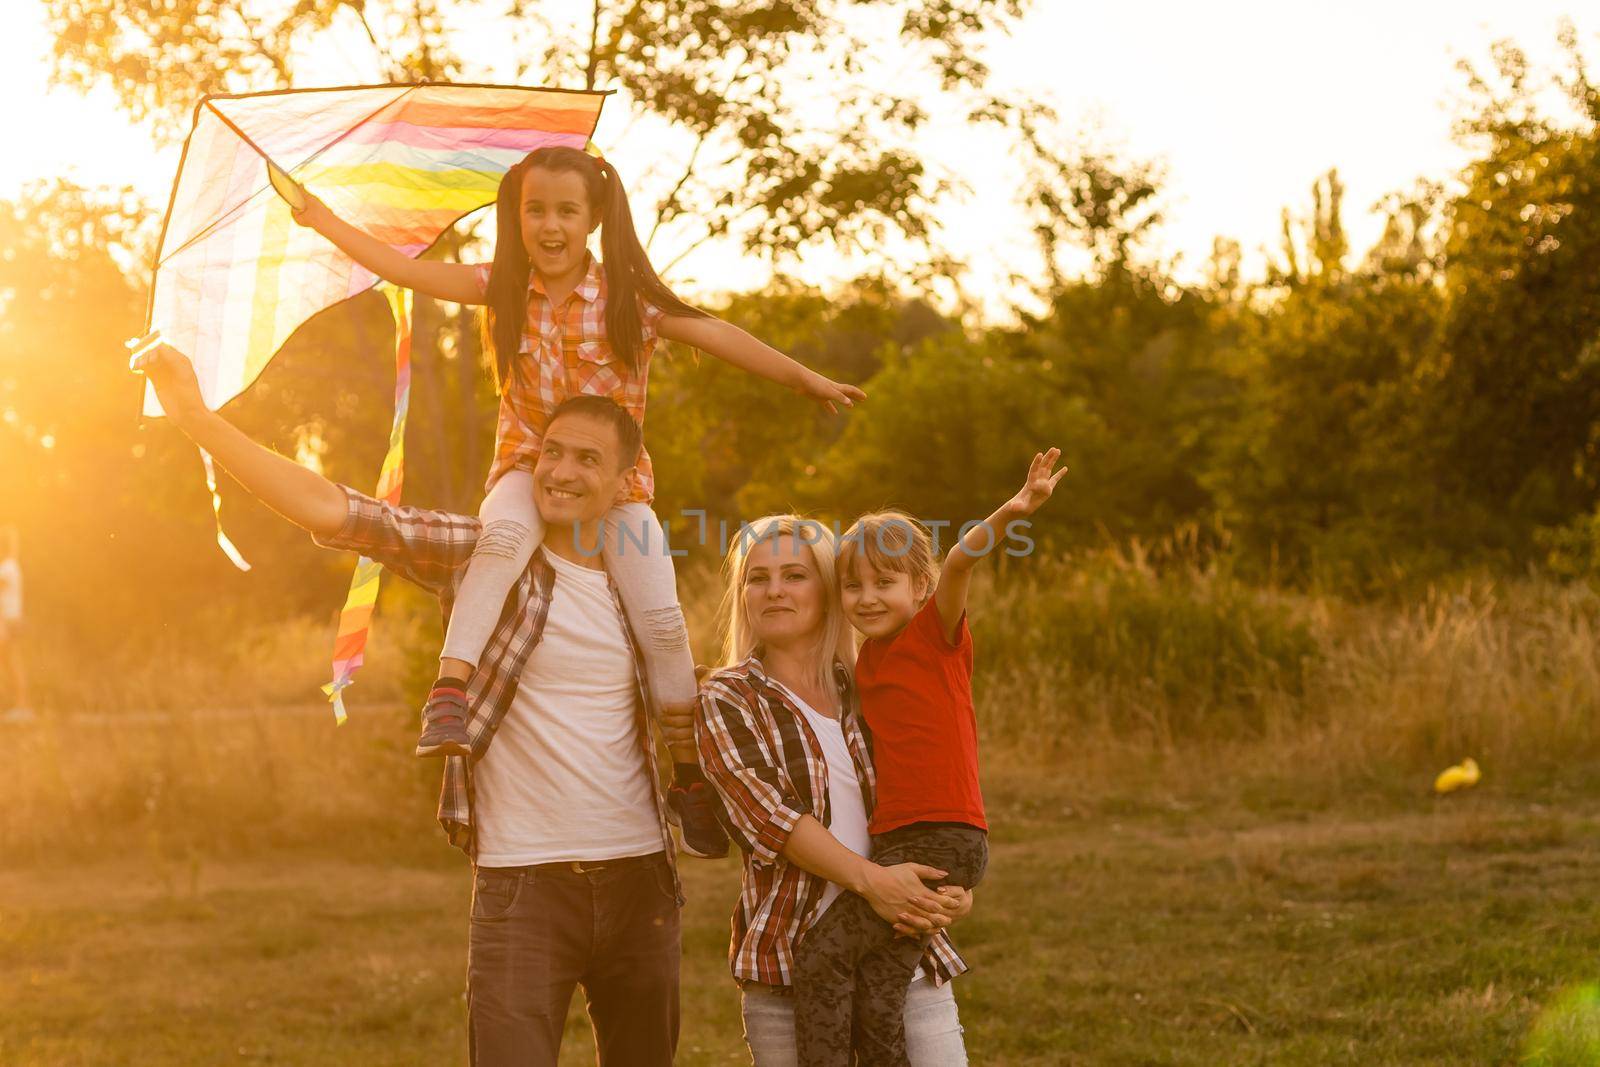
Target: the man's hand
pixel 302 496
pixel 176 386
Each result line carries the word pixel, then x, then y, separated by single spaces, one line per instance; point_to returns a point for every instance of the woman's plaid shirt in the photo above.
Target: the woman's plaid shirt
pixel 768 768
pixel 432 549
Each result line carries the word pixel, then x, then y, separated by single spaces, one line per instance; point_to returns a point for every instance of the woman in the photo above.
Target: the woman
pixel 780 738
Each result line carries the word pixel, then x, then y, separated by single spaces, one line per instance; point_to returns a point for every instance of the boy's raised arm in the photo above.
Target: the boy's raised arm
pixel 950 595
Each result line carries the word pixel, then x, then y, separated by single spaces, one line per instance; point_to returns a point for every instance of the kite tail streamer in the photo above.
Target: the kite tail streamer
pixel 223 543
pixel 355 620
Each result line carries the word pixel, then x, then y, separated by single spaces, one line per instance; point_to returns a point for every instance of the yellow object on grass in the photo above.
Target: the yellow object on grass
pixel 1460 776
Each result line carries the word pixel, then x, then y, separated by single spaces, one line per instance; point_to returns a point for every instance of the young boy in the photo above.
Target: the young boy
pixel 914 676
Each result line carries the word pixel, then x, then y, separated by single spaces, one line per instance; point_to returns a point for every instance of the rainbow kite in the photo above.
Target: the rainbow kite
pixel 235 276
pixel 350 644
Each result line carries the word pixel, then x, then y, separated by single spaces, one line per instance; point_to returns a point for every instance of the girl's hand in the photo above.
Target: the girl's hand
pixel 828 392
pixel 1040 484
pixel 314 214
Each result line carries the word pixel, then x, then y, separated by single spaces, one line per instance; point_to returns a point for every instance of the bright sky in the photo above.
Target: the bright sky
pixel 1244 103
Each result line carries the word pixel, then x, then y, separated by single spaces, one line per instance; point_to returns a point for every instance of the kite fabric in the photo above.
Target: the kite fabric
pixel 355 620
pixel 234 555
pixel 235 276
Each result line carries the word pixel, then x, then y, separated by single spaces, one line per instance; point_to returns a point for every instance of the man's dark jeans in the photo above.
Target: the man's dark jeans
pixel 537 932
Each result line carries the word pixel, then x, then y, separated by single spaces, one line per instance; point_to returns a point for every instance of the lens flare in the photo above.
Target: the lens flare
pixel 1567 1034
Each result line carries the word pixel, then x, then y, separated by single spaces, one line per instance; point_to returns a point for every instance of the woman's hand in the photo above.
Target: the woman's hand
pixel 957 905
pixel 677 724
pixel 899 890
pixel 829 393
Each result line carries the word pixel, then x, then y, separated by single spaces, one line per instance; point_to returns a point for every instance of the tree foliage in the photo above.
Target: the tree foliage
pixel 794 119
pixel 1356 416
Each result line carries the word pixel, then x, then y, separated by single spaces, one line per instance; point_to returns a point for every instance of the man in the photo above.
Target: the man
pixel 574 875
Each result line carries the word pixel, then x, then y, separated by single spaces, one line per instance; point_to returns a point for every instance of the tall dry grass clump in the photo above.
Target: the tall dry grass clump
pixel 1117 667
pixel 217 740
pixel 1126 648
pixel 1506 670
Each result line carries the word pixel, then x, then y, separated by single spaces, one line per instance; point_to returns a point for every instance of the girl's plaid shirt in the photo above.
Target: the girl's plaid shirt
pixel 769 770
pixel 432 549
pixel 565 352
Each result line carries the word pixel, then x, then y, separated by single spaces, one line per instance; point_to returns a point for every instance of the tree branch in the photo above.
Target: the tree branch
pixel 361 15
pixel 593 66
pixel 711 232
pixel 671 198
pixel 278 63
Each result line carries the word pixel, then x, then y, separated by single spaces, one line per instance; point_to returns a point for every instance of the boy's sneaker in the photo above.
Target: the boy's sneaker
pixel 444 725
pixel 694 814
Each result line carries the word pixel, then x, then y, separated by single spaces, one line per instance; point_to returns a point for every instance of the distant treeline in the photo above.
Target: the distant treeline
pixel 1359 419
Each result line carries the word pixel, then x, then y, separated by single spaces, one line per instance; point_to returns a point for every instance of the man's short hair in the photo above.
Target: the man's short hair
pixel 630 439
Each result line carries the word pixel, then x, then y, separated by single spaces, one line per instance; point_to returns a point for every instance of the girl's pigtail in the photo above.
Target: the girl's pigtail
pixel 621 254
pixel 507 298
pixel 629 275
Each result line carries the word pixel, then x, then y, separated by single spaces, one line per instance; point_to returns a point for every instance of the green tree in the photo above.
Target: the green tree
pixel 730 444
pixel 1317 465
pixel 795 125
pixel 1514 395
pixel 787 125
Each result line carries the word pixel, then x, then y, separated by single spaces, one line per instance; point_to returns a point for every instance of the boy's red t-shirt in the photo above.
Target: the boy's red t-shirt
pixel 916 695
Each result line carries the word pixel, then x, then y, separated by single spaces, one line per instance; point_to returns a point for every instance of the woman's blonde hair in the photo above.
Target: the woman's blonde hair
pixel 891 541
pixel 739 640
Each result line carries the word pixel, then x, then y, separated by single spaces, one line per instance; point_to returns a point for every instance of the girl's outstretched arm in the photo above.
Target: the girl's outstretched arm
pixel 456 282
pixel 732 345
pixel 950 595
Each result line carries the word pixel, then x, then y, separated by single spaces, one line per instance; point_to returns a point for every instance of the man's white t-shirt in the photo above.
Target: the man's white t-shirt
pixel 565 778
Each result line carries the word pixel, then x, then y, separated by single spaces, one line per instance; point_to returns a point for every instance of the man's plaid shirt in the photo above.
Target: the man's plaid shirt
pixel 432 549
pixel 769 770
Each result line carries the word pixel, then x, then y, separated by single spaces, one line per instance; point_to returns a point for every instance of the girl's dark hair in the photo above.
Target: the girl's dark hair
pixel 629 276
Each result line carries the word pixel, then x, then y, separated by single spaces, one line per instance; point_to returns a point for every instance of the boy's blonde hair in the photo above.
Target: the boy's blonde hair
pixel 891 541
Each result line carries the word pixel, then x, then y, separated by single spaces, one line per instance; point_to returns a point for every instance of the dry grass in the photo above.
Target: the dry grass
pixel 1130 930
pixel 1161 678
pixel 1119 656
pixel 1214 839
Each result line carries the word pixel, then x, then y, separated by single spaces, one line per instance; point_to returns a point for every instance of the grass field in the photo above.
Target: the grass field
pixel 1215 840
pixel 1234 922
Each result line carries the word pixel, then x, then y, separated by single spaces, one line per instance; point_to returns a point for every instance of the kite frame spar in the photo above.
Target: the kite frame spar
pixel 162 254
